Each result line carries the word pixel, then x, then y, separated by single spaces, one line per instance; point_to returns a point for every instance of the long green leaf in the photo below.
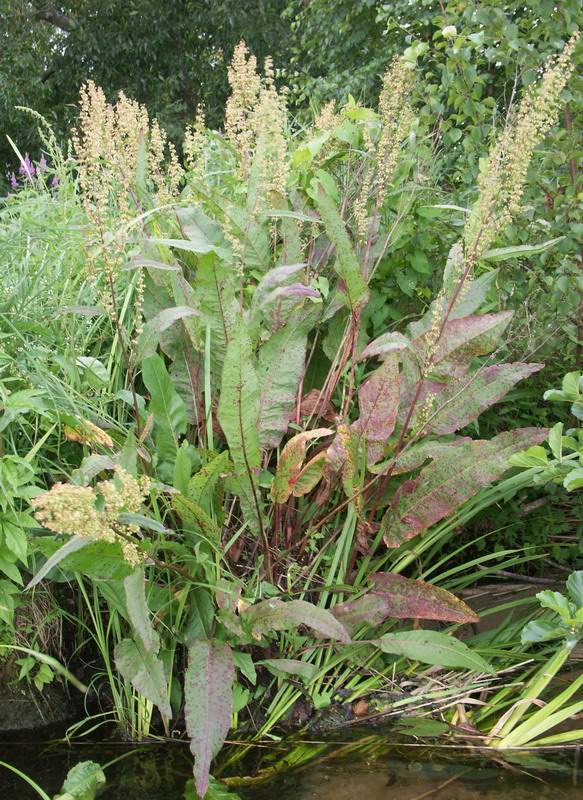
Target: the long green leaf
pixel 168 409
pixel 354 292
pixel 238 415
pixel 433 647
pixel 144 670
pixel 275 615
pixel 139 613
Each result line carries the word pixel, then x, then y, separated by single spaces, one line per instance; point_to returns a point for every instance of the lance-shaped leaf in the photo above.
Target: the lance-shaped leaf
pixel 202 487
pixel 386 343
pixel 139 613
pixel 168 409
pixel 343 456
pixel 208 701
pixel 291 666
pixel 416 456
pixel 215 290
pixel 432 647
pixel 393 595
pixel 469 300
pixel 281 364
pixel 275 615
pixel 310 475
pixel 193 517
pixel 378 399
pixel 150 336
pixel 447 482
pixel 354 292
pixel 462 340
pixel 290 463
pixel 144 670
pixel 238 414
pixel 464 399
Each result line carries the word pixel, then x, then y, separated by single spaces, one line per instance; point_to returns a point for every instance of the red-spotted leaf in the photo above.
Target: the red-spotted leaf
pixel 464 399
pixel 444 484
pixel 416 456
pixel 208 702
pixel 469 300
pixel 276 615
pixel 413 598
pixel 280 366
pixel 144 670
pixel 378 399
pixel 290 463
pixel 386 343
pixel 393 595
pixel 462 340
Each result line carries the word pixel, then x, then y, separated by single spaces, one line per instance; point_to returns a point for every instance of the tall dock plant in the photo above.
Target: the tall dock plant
pixel 282 453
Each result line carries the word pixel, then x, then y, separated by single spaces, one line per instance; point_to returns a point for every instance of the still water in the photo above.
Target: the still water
pixel 400 772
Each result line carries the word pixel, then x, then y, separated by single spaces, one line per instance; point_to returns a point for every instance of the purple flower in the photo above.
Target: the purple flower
pixel 13 181
pixel 42 164
pixel 55 181
pixel 27 168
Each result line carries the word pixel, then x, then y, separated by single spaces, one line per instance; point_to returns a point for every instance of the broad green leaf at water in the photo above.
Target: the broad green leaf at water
pixel 208 703
pixel 83 782
pixel 433 647
pixel 216 791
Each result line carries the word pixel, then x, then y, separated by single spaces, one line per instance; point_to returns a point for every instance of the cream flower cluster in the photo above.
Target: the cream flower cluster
pixel 93 512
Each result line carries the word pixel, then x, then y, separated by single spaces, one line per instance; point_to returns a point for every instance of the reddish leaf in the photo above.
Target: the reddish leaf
pixel 386 343
pixel 208 703
pixel 462 340
pixel 464 399
pixel 412 598
pixel 448 481
pixel 343 456
pixel 378 399
pixel 393 595
pixel 416 456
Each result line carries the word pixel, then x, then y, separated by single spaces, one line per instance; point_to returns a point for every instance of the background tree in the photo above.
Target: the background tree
pixel 170 56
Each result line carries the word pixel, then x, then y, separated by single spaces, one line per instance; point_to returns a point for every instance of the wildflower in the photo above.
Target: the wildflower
pixel 93 512
pixel 55 181
pixel 42 164
pixel 13 182
pixel 503 177
pixel 27 168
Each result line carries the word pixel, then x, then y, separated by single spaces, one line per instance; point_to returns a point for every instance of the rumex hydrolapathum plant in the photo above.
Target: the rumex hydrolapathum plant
pixel 263 297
